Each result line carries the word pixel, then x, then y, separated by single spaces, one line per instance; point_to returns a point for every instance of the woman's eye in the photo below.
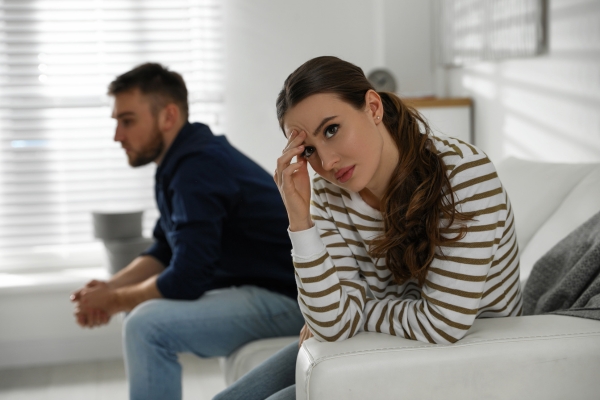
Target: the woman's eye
pixel 308 151
pixel 331 130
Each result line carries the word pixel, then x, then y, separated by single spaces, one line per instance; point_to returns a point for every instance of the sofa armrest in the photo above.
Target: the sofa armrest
pixel 534 357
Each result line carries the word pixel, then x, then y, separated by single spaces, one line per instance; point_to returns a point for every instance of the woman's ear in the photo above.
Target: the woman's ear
pixel 374 106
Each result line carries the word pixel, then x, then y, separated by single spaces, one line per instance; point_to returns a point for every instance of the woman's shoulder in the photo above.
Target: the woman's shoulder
pixel 461 158
pixel 452 148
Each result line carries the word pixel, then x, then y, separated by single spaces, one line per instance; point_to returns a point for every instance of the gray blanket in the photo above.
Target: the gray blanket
pixel 566 280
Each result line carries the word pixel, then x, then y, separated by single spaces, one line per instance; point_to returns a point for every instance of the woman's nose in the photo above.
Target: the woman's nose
pixel 328 159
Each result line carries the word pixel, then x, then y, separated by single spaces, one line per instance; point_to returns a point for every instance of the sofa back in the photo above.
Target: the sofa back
pixel 549 201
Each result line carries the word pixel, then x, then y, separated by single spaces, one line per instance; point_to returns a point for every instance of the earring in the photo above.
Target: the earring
pixel 378 117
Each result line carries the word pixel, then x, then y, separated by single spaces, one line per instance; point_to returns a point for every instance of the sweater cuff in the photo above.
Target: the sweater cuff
pixel 307 243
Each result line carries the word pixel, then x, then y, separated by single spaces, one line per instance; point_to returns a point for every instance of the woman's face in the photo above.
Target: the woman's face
pixel 342 144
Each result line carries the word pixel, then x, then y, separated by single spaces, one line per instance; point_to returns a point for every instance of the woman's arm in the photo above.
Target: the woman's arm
pixel 331 299
pixel 331 293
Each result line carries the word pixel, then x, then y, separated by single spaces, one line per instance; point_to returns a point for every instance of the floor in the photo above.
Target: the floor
pixel 202 379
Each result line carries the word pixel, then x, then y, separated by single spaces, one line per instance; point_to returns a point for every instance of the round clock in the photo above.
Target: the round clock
pixel 382 80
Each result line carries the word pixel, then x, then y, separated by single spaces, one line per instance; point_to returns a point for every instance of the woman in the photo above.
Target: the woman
pixel 406 233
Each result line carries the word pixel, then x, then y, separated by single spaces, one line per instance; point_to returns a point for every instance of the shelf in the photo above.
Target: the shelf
pixel 431 102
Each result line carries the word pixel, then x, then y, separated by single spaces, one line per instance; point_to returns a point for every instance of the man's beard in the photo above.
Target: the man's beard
pixel 150 153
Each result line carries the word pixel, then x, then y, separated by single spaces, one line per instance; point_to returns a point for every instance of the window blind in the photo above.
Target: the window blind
pixel 58 162
pixel 476 30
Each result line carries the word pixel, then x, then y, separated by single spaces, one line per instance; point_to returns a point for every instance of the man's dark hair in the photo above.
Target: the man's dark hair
pixel 157 82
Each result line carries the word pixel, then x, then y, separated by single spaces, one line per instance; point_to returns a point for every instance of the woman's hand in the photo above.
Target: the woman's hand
pixel 305 333
pixel 293 182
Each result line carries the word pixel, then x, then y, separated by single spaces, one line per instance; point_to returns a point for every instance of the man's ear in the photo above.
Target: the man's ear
pixel 374 106
pixel 168 117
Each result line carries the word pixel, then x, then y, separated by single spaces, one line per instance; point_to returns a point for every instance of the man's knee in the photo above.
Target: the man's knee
pixel 141 321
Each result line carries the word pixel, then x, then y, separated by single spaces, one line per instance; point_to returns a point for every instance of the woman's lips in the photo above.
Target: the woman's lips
pixel 344 174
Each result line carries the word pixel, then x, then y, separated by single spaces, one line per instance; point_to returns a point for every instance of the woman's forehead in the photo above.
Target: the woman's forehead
pixel 309 113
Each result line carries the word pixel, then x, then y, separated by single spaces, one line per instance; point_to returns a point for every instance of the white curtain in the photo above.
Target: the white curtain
pixel 58 162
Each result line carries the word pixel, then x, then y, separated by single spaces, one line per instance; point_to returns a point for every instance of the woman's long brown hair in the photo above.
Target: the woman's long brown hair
pixel 419 195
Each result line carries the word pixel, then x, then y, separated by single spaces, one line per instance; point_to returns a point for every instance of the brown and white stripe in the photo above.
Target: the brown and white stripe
pixel 342 290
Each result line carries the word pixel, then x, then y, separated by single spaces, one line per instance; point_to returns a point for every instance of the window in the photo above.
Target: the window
pixel 58 161
pixel 475 30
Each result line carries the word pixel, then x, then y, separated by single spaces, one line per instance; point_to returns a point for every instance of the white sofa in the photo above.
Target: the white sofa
pixel 533 357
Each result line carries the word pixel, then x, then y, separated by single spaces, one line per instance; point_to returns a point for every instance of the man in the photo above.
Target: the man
pixel 219 273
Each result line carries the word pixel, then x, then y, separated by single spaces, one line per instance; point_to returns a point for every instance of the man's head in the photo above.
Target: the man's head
pixel 150 107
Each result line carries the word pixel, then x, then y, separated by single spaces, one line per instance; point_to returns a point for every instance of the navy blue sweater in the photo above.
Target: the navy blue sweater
pixel 222 221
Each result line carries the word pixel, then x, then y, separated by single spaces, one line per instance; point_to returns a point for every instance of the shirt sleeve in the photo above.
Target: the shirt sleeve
pixel 160 249
pixel 201 195
pixel 331 294
pixel 451 295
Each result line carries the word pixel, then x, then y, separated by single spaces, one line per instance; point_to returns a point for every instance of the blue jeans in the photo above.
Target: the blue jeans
pixel 214 325
pixel 272 380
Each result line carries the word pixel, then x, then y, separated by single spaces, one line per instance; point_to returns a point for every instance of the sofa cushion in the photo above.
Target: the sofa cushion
pixel 580 205
pixel 536 190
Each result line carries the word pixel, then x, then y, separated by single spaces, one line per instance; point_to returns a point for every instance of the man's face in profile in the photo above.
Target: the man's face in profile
pixel 137 128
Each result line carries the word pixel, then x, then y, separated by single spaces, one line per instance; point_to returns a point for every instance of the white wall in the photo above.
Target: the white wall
pixel 408 43
pixel 266 40
pixel 543 108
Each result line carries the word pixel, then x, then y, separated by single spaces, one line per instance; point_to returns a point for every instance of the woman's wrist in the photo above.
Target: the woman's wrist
pixel 297 225
pixel 307 244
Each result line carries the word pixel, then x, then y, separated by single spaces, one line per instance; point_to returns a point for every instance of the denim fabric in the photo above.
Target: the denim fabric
pixel 273 379
pixel 214 325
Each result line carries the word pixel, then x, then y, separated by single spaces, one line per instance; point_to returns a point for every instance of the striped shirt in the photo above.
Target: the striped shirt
pixel 343 291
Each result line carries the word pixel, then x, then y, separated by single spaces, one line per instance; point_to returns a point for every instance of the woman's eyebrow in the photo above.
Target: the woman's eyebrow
pixel 325 120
